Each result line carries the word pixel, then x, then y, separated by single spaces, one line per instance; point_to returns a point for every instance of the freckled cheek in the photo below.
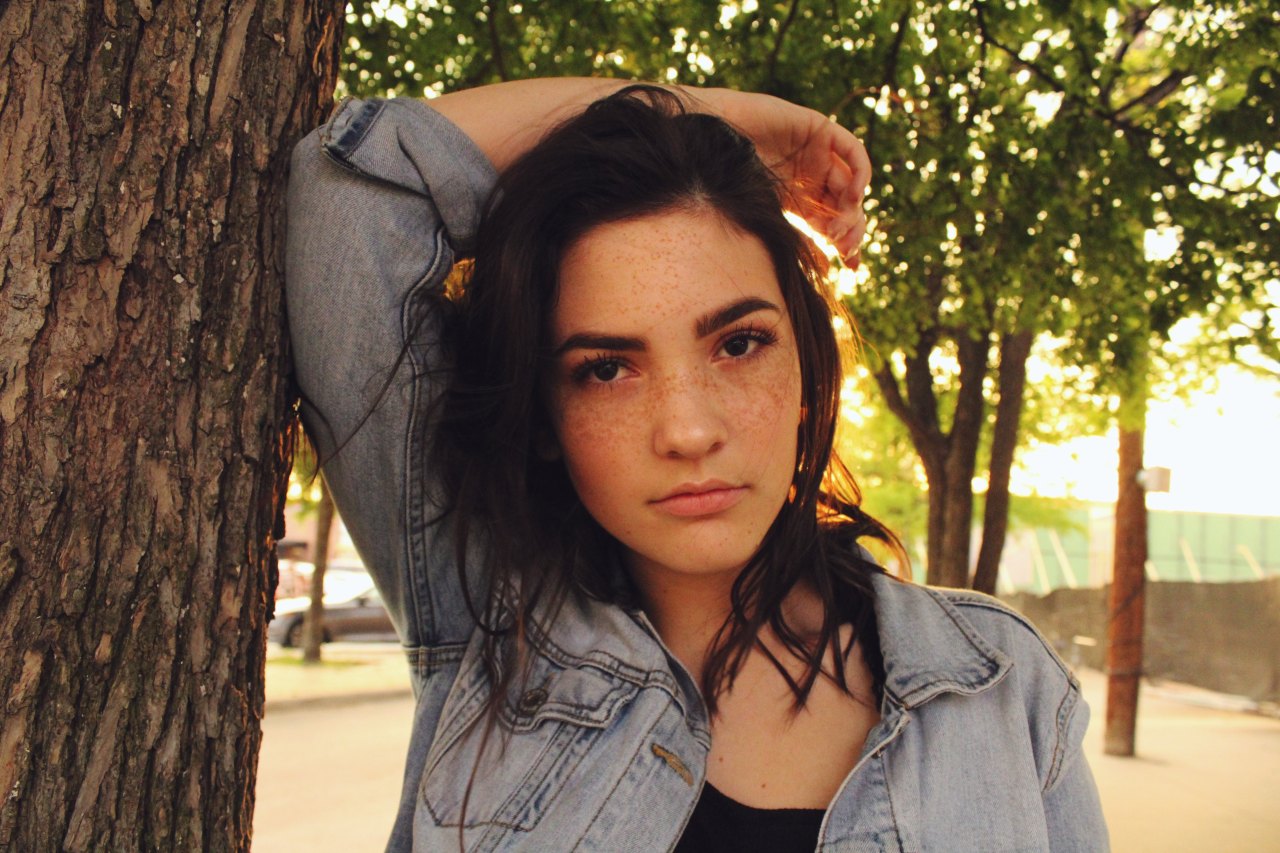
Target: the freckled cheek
pixel 599 440
pixel 766 410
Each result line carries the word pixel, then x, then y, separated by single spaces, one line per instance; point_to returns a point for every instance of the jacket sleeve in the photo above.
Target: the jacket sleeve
pixel 1073 812
pixel 380 201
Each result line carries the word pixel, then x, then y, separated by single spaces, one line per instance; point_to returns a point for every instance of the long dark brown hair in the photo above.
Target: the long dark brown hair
pixel 638 152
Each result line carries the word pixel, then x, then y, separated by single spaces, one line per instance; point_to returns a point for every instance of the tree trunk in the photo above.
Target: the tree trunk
pixel 935 476
pixel 962 455
pixel 143 454
pixel 1015 349
pixel 948 458
pixel 313 626
pixel 1125 601
pixel 918 412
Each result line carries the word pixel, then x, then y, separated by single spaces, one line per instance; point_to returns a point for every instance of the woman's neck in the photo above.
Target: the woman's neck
pixel 689 609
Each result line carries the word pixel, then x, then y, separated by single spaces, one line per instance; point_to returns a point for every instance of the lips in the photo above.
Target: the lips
pixel 698 500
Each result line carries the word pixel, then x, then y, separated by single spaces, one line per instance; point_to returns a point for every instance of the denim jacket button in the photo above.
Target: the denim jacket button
pixel 532 700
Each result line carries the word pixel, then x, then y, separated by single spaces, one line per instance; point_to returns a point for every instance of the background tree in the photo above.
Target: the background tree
pixel 310 495
pixel 1023 153
pixel 313 623
pixel 143 414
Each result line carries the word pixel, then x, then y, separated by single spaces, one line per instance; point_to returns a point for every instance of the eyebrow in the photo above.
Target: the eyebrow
pixel 705 325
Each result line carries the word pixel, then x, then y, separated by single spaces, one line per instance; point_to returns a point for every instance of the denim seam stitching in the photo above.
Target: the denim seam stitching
pixel 468 711
pixel 1066 705
pixel 613 790
pixel 414 544
pixel 888 795
pixel 1066 710
pixel 602 661
pixel 427 659
pixel 980 645
pixel 971 634
pixel 564 712
pixel 503 824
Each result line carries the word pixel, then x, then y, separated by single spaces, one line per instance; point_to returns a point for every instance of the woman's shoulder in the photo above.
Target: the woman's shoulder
pixel 965 636
pixel 975 615
pixel 995 619
pixel 940 641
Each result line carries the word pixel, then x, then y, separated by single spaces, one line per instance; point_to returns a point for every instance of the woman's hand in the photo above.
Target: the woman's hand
pixel 825 165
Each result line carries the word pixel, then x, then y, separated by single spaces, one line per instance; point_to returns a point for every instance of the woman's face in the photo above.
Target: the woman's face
pixel 675 388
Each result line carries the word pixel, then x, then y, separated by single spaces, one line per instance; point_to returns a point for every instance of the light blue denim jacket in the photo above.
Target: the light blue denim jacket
pixel 979 744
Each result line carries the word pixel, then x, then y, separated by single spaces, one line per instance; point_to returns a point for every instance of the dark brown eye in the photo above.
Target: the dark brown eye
pixel 746 343
pixel 605 371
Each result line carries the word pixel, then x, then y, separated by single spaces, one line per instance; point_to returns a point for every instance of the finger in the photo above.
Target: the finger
pixel 850 149
pixel 847 232
pixel 840 177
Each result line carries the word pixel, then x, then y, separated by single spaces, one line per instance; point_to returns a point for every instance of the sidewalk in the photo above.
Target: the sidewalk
pixel 347 672
pixel 1205 777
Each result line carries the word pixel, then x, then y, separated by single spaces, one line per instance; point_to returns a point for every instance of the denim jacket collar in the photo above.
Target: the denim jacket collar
pixel 930 653
pixel 929 647
pixel 621 643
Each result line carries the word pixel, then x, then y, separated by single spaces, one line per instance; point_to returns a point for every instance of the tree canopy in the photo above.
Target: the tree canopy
pixel 1089 171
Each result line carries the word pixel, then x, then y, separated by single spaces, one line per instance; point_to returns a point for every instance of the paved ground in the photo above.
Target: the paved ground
pixel 329 776
pixel 1205 779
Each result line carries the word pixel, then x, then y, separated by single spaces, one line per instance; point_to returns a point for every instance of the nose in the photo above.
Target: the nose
pixel 688 420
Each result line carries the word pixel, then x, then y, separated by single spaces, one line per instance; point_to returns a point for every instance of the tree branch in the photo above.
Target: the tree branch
pixel 921 399
pixel 1156 93
pixel 927 442
pixel 1015 347
pixel 772 64
pixel 1018 61
pixel 888 382
pixel 495 42
pixel 1136 26
pixel 1113 117
pixel 890 73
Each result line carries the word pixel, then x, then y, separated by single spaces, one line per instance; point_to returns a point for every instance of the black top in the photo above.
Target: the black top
pixel 721 825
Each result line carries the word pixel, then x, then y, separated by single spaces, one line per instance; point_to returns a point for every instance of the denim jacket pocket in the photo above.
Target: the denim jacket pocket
pixel 509 775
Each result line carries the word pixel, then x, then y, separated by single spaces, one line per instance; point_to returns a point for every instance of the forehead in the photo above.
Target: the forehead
pixel 670 266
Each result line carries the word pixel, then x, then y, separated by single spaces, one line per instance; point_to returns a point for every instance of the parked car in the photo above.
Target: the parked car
pixel 353 610
pixel 295 575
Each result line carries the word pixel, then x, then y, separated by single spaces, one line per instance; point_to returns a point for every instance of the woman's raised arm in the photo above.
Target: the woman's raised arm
pixel 382 198
pixel 824 164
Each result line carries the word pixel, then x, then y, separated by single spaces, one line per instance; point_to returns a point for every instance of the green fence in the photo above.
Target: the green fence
pixel 1182 546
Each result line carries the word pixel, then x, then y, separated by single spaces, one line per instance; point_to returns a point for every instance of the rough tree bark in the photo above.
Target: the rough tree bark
pixel 1015 349
pixel 142 406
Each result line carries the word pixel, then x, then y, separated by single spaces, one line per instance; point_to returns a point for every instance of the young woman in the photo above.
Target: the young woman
pixel 595 485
